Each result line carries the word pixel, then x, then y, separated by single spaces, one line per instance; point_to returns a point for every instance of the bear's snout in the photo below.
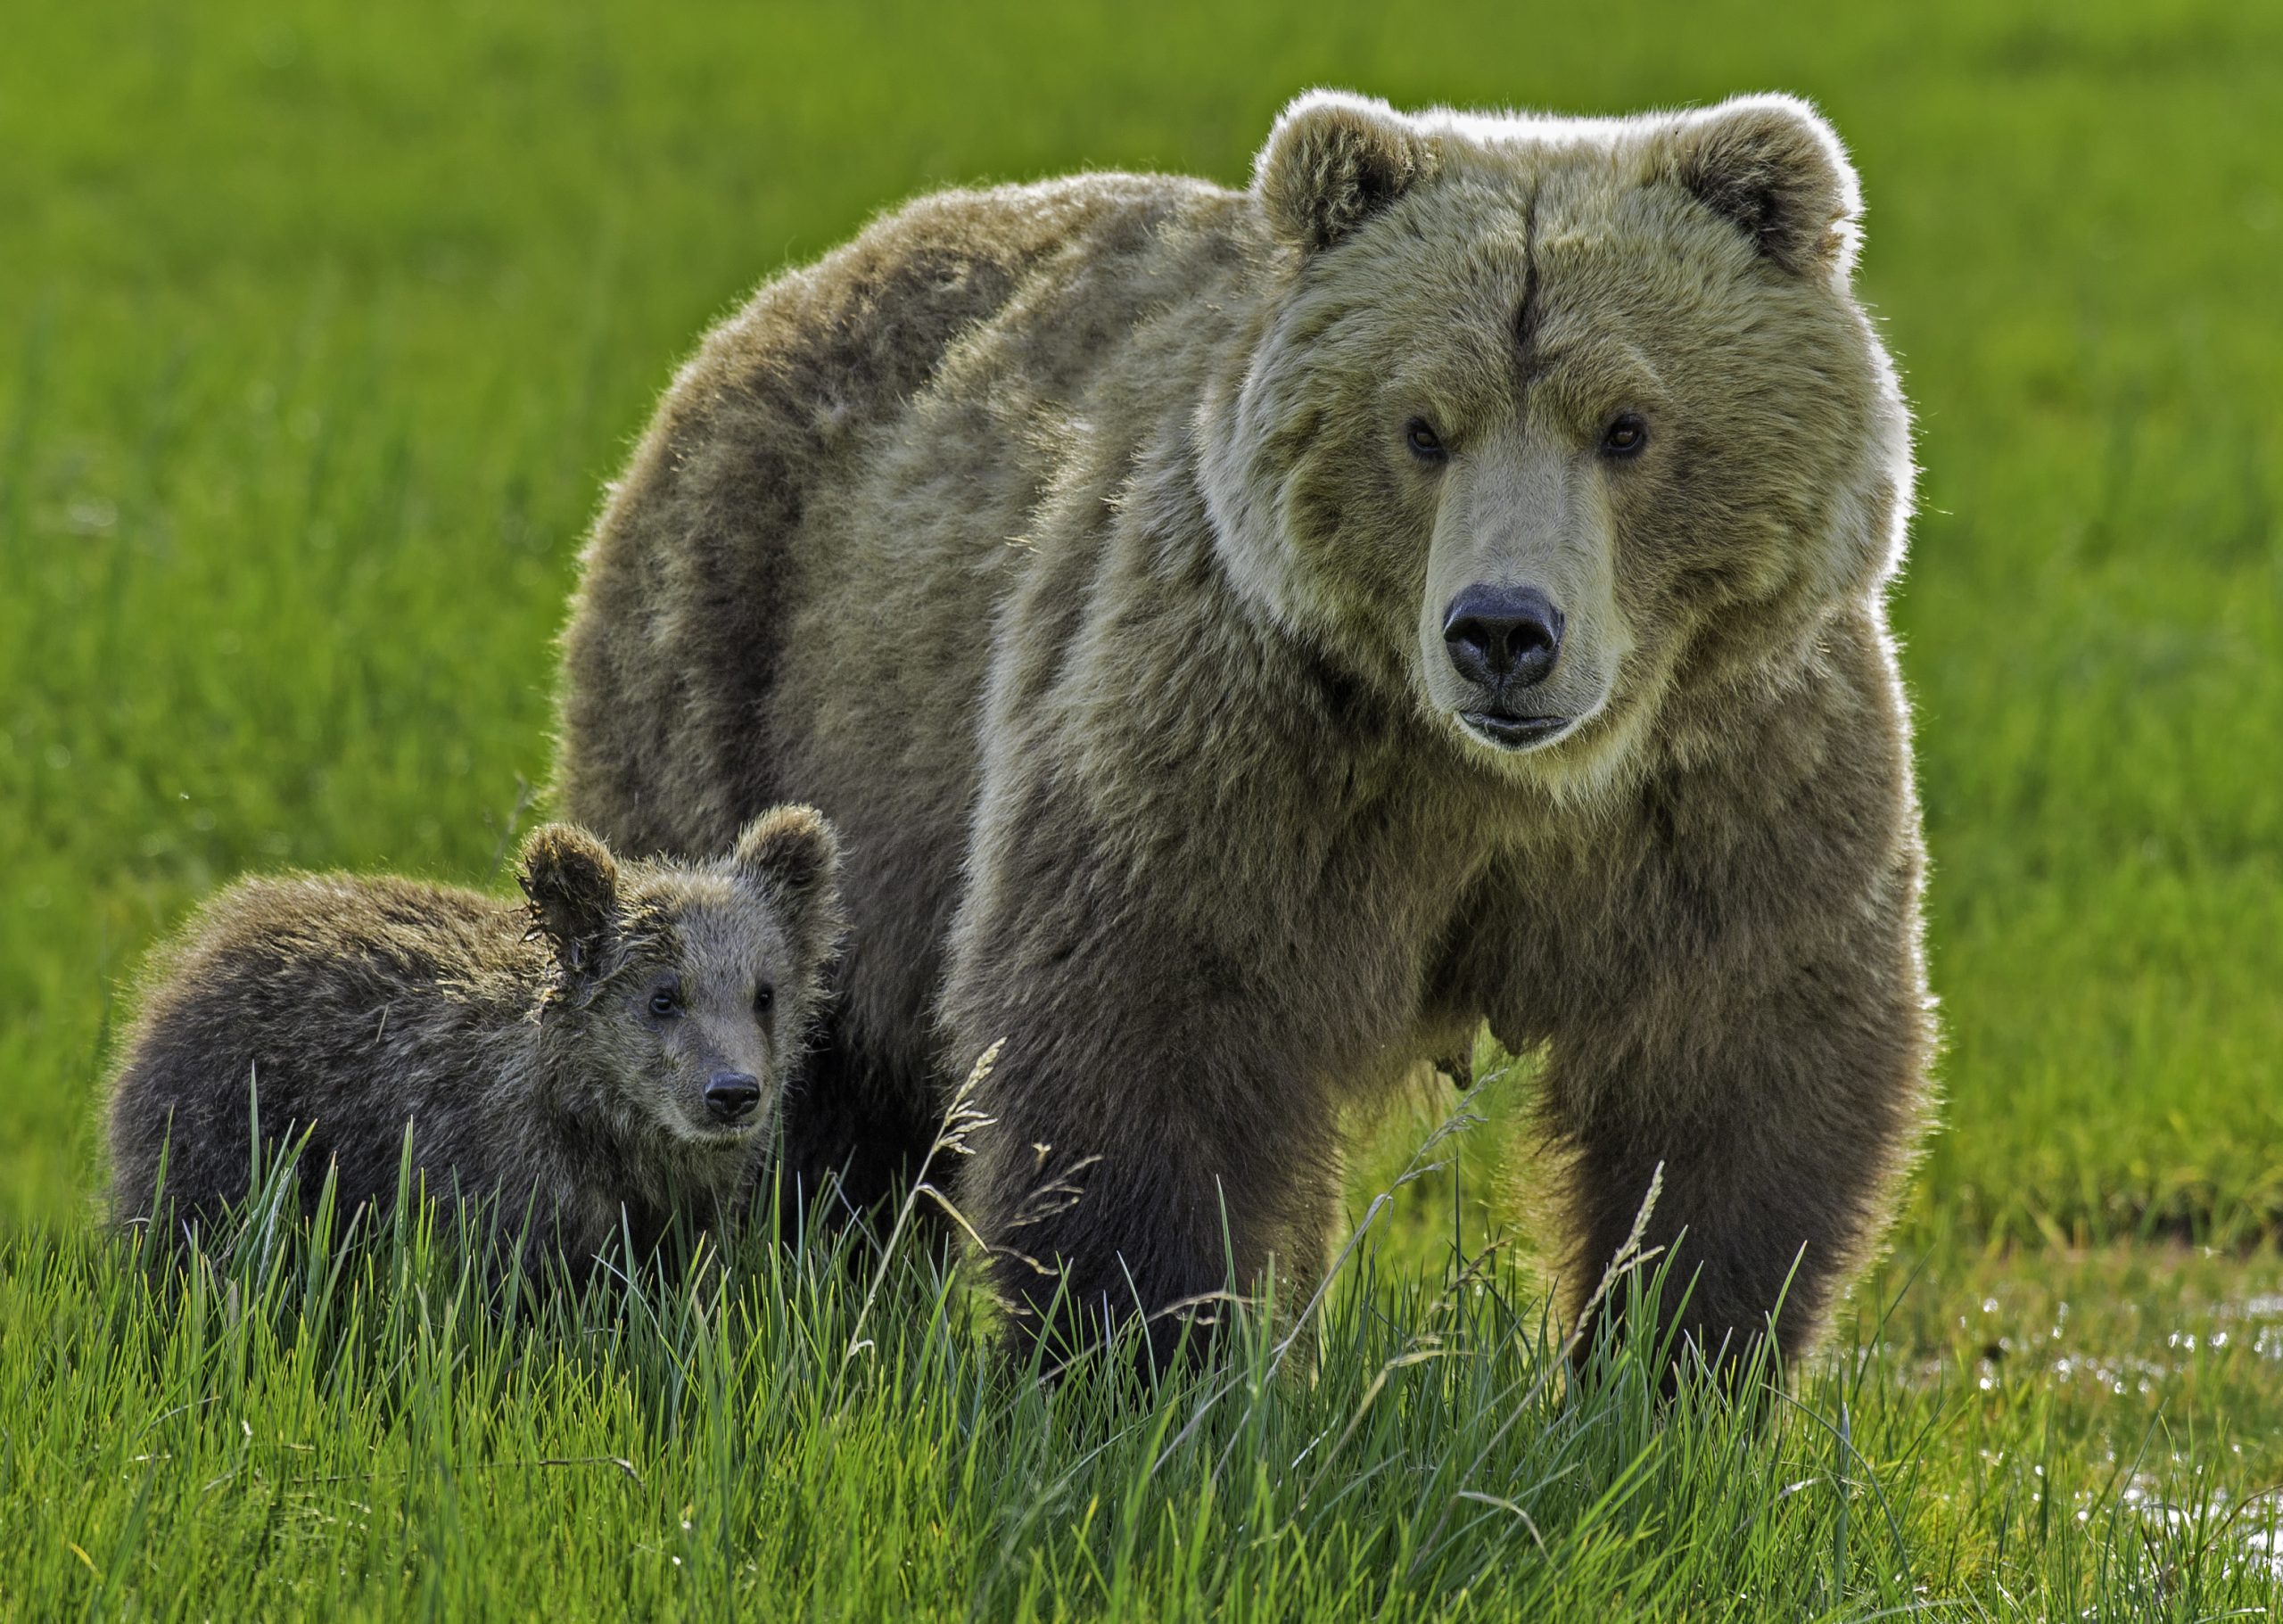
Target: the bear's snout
pixel 731 1095
pixel 1503 638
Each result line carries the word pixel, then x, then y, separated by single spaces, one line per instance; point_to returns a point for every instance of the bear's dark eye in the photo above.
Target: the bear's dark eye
pixel 1625 436
pixel 1425 444
pixel 665 999
pixel 765 999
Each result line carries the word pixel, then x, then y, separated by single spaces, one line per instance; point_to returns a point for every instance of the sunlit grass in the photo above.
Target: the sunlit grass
pixel 361 1418
pixel 374 1417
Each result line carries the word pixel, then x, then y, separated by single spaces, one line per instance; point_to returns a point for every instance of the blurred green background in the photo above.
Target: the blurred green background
pixel 320 330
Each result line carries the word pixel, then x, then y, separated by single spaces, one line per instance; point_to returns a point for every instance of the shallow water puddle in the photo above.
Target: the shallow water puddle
pixel 2159 1368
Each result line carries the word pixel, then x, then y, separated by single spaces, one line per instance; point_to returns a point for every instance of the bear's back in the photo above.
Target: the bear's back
pixel 855 336
pixel 805 437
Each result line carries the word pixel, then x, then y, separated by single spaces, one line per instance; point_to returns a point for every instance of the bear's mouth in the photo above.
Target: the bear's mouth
pixel 710 1135
pixel 1503 731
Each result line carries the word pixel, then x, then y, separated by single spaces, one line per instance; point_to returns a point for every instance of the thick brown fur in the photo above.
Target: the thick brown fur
pixel 1071 546
pixel 519 1040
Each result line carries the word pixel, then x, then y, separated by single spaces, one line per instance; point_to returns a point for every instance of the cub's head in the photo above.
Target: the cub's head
pixel 683 992
pixel 1547 417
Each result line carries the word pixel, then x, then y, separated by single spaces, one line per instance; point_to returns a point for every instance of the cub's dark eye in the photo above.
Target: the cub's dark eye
pixel 1425 444
pixel 1625 436
pixel 765 999
pixel 665 999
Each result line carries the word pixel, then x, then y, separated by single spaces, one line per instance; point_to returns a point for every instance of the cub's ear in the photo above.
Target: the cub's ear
pixel 791 853
pixel 572 880
pixel 1331 162
pixel 1771 166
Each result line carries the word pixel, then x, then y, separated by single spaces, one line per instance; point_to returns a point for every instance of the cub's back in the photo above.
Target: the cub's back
pixel 341 997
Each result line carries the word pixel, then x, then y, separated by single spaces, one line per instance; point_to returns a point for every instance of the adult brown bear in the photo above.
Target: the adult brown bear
pixel 1248 639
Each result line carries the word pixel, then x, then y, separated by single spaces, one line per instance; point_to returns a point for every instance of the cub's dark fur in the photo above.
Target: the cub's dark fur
pixel 614 1044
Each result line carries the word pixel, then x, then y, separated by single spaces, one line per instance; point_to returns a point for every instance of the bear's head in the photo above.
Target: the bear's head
pixel 681 992
pixel 1546 421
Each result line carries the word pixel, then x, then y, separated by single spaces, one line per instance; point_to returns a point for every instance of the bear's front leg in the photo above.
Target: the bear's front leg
pixel 1159 1133
pixel 1781 1091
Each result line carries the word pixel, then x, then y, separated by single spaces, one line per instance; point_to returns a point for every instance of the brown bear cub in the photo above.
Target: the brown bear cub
pixel 608 1051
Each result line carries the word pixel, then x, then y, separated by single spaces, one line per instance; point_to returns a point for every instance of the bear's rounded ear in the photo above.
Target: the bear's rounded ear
pixel 1332 161
pixel 1771 167
pixel 790 852
pixel 572 880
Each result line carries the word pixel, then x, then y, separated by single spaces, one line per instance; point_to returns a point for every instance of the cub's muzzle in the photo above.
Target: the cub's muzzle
pixel 731 1095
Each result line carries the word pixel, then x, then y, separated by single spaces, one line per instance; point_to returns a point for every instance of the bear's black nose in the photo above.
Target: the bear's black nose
pixel 1503 636
pixel 731 1095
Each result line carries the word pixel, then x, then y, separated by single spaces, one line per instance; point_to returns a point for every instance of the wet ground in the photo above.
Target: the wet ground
pixel 2155 1374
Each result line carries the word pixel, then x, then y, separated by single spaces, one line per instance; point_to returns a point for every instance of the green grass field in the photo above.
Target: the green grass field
pixel 320 329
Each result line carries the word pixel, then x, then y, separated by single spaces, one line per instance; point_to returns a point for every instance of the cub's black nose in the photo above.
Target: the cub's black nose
pixel 1503 636
pixel 731 1095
